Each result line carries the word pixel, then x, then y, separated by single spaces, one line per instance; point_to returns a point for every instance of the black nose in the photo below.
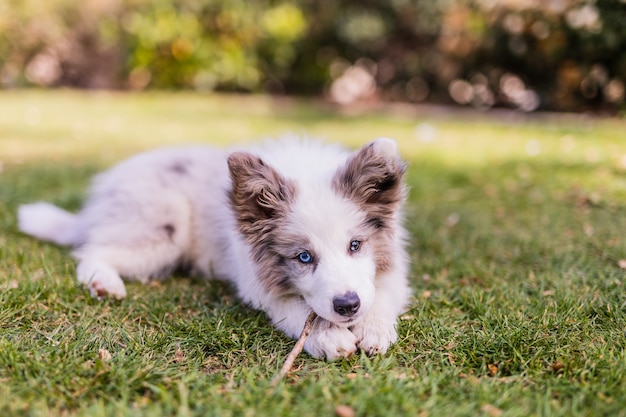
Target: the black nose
pixel 347 305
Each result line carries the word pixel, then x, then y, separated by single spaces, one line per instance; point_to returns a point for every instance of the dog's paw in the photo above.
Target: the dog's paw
pixel 374 337
pixel 107 288
pixel 330 342
pixel 101 280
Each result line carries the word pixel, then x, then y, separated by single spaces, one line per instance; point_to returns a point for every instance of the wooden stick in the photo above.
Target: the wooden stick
pixel 291 358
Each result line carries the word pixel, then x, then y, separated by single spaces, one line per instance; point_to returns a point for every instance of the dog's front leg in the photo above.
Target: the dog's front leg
pixel 377 330
pixel 375 334
pixel 326 341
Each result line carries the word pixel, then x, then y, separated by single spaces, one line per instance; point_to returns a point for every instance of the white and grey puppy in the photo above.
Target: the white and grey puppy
pixel 296 225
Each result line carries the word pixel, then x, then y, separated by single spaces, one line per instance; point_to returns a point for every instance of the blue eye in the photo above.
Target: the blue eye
pixel 355 245
pixel 305 257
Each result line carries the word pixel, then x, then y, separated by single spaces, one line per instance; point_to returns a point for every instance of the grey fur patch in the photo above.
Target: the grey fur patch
pixel 170 230
pixel 179 167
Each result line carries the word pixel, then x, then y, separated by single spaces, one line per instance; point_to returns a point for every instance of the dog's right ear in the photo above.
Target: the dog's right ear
pixel 258 191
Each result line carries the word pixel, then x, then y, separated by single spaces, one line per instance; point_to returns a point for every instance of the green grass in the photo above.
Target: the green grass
pixel 517 228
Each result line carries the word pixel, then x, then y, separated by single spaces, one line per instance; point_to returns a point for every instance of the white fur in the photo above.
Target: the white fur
pixel 122 231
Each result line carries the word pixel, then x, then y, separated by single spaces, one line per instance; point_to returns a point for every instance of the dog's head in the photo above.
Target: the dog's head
pixel 326 241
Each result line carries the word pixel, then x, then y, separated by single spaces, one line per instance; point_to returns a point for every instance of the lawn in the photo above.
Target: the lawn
pixel 517 241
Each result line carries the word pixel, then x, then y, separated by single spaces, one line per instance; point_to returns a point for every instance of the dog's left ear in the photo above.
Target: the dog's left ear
pixel 373 175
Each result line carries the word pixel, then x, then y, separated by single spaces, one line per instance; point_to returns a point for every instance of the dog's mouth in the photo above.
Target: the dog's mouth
pixel 338 319
pixel 346 322
pixel 342 321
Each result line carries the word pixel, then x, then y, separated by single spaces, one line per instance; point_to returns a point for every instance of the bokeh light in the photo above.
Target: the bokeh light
pixel 520 54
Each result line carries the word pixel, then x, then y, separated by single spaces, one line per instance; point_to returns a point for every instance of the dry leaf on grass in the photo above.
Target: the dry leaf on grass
pixel 104 355
pixel 179 357
pixel 11 285
pixel 344 411
pixel 557 366
pixel 449 346
pixel 491 410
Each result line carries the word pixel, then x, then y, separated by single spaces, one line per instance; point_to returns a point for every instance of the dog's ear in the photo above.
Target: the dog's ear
pixel 258 191
pixel 373 175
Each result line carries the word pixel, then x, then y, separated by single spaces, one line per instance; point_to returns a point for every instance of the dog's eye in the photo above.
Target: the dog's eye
pixel 355 245
pixel 305 257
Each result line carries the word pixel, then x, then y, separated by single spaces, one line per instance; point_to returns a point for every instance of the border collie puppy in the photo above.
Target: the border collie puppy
pixel 297 226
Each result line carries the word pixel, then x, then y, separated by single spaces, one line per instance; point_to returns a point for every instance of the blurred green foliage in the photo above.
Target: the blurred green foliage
pixel 526 54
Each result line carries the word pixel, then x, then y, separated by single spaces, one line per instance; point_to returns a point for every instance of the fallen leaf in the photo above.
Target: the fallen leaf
pixel 491 410
pixel 178 356
pixel 557 366
pixel 471 281
pixel 104 355
pixel 452 220
pixel 11 285
pixel 344 411
pixel 37 275
pixel 450 358
pixel 451 345
pixel 143 401
pixel 492 368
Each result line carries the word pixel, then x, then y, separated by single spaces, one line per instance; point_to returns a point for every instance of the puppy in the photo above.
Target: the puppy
pixel 295 225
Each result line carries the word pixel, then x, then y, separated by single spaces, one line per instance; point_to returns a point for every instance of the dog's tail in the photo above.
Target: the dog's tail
pixel 48 222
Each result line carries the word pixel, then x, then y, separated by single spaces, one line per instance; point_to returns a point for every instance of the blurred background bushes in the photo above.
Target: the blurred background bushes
pixel 524 54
